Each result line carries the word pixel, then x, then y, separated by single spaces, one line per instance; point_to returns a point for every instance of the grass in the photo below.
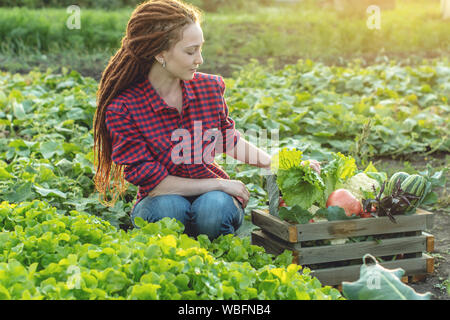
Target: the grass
pixel 414 30
pixel 87 63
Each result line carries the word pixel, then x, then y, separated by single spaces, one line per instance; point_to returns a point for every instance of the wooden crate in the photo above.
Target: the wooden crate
pixel 399 245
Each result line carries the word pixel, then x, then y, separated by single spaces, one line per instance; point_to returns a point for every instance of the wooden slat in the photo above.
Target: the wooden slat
pixel 274 225
pixel 417 254
pixel 261 239
pixel 420 221
pixel 362 227
pixel 357 250
pixel 341 252
pixel 335 276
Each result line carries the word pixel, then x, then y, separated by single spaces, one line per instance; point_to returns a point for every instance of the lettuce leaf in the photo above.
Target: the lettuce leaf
pixel 334 213
pixel 335 173
pixel 295 214
pixel 301 186
pixel 436 179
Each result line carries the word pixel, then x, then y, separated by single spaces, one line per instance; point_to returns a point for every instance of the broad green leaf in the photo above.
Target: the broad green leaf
pixel 114 280
pixel 182 281
pixel 3 98
pixel 5 175
pixel 15 94
pixel 71 147
pixel 20 192
pixel 50 148
pixel 334 213
pixel 431 198
pixel 146 291
pixel 18 144
pixel 4 293
pixel 49 192
pixel 19 111
pixel 370 168
pixel 295 214
pixel 380 177
pixel 46 174
pixel 139 222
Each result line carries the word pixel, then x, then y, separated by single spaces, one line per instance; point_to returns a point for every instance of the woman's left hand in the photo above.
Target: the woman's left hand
pixel 314 164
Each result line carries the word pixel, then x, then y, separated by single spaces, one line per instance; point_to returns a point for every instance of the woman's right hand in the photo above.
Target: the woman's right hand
pixel 235 188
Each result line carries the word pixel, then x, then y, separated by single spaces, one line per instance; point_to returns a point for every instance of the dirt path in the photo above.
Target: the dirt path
pixel 434 282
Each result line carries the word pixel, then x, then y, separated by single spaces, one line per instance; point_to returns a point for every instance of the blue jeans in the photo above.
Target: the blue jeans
pixel 213 213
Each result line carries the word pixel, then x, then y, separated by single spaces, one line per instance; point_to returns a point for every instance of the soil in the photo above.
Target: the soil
pixel 434 282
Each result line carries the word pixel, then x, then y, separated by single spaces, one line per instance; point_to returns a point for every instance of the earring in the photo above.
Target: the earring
pixel 164 64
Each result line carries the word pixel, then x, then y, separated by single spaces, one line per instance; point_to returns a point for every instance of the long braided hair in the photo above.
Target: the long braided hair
pixel 154 26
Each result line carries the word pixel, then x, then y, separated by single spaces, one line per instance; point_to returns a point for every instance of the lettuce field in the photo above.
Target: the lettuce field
pixel 57 241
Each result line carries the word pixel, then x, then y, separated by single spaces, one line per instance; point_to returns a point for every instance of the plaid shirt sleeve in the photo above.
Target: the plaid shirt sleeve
pixel 129 148
pixel 230 134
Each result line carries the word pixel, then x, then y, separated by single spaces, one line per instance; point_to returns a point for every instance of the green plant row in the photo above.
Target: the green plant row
pixel 46 255
pixel 386 109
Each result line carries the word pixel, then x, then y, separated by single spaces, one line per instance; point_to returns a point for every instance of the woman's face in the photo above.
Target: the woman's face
pixel 186 55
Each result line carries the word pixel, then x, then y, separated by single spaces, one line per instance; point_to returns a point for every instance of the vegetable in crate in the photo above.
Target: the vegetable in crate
pixel 414 184
pixel 336 173
pixel 302 187
pixel 346 200
pixel 373 173
pixel 397 203
pixel 360 184
pixel 299 183
pixel 398 176
pixel 281 202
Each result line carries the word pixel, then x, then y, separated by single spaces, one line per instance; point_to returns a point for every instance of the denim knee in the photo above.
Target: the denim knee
pixel 153 209
pixel 215 213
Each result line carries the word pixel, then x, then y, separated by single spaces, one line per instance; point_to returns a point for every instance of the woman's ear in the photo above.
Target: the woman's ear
pixel 160 57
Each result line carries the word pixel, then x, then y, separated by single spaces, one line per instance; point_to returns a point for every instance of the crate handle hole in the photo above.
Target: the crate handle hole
pixel 368 255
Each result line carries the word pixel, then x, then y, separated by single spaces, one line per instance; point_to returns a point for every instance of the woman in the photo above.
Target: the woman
pixel 149 93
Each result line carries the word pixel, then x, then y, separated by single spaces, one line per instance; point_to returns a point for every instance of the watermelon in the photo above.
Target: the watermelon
pixel 414 184
pixel 393 181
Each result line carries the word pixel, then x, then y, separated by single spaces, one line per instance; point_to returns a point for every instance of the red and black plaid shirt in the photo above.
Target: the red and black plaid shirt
pixel 141 124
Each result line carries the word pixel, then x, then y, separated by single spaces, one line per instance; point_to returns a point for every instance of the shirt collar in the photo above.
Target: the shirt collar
pixel 188 89
pixel 158 103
